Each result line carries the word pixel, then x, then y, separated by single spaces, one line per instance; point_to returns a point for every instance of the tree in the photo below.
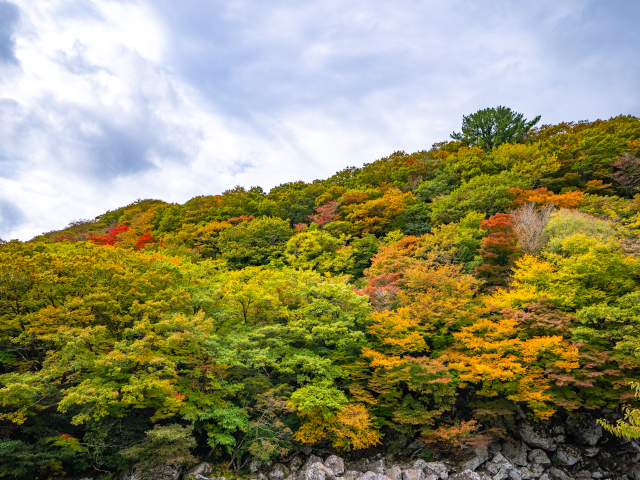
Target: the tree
pixel 628 173
pixel 529 224
pixel 491 127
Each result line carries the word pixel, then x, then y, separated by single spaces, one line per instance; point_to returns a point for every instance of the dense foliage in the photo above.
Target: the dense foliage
pixel 433 295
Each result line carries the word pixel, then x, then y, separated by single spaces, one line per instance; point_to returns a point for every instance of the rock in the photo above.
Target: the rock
pixel 351 475
pixel 591 452
pixel 262 476
pixel 537 470
pixel 394 473
pixel 634 473
pixel 317 471
pixel 585 430
pixel 583 474
pixel 558 474
pixel 358 466
pixel 254 465
pixel 539 456
pixel 544 477
pixel 438 469
pixel 526 474
pixel 413 474
pixel 335 464
pixel 278 472
pixel 373 476
pixel 420 464
pixel 502 469
pixel 204 469
pixel 469 475
pixel 597 475
pixel 200 477
pixel 378 467
pixel 516 453
pixel 295 464
pixel 164 472
pixel 542 436
pixel 430 477
pixel 311 460
pixel 480 455
pixel 569 456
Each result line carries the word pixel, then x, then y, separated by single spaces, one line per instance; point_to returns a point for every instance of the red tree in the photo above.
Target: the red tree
pixel 111 238
pixel 499 250
pixel 144 240
pixel 326 213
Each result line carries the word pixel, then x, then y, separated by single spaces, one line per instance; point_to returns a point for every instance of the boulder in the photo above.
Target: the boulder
pixel 480 455
pixel 634 473
pixel 413 474
pixel 539 457
pixel 278 472
pixel 358 466
pixel 596 475
pixel 527 474
pixel 378 467
pixel 373 476
pixel 421 464
pixel 583 474
pixel 585 430
pixel 394 473
pixel 542 436
pixel 557 474
pixel 516 453
pixel 569 456
pixel 165 472
pixel 438 469
pixel 311 460
pixel 501 468
pixel 469 475
pixel 317 471
pixel 351 475
pixel 295 464
pixel 591 452
pixel 537 469
pixel 254 465
pixel 203 469
pixel 335 464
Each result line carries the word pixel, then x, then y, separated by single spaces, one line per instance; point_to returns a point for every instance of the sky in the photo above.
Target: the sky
pixel 103 102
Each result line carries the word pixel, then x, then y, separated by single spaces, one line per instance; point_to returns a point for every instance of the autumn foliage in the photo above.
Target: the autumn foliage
pixel 439 295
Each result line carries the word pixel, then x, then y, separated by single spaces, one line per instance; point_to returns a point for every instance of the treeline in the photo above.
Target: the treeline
pixel 435 295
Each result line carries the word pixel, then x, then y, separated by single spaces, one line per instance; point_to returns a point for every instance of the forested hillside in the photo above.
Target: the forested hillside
pixel 434 295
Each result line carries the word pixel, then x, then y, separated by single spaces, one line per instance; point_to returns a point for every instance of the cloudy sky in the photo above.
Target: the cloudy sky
pixel 106 101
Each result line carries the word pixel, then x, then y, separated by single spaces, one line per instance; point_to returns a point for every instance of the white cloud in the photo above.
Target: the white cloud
pixel 118 100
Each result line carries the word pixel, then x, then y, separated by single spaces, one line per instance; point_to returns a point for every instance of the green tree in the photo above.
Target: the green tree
pixel 255 242
pixel 491 127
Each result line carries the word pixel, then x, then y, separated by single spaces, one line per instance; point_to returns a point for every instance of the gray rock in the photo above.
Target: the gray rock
pixel 597 475
pixel 262 476
pixel 164 472
pixel 204 469
pixel 438 469
pixel 558 474
pixel 351 475
pixel 568 455
pixel 591 452
pixel 378 467
pixel 317 471
pixel 634 473
pixel 514 474
pixel 544 477
pixel 278 472
pixel 430 477
pixel 584 474
pixel 539 456
pixel 498 463
pixel 335 464
pixel 373 476
pixel 291 476
pixel 468 475
pixel 515 452
pixel 394 473
pixel 413 474
pixel 295 464
pixel 584 429
pixel 480 455
pixel 542 436
pixel 254 465
pixel 526 474
pixel 200 477
pixel 537 470
pixel 311 460
pixel 420 464
pixel 358 466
